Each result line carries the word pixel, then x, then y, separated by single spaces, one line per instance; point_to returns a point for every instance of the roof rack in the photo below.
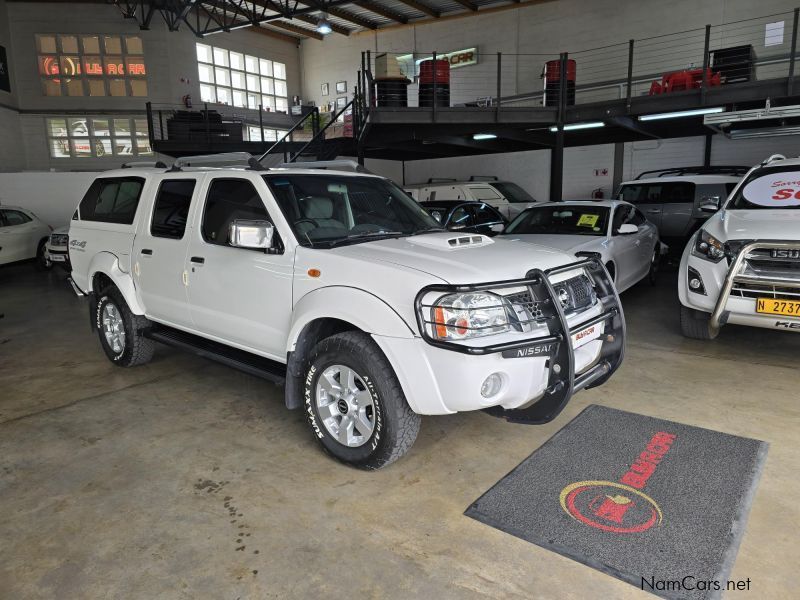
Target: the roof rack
pixel 440 180
pixel 772 159
pixel 333 165
pixel 717 170
pixel 224 159
pixel 483 178
pixel 143 164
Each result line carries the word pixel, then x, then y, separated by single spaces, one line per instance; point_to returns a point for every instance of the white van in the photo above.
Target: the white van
pixel 506 196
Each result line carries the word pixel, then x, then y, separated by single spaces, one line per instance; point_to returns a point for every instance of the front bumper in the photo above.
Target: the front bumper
pixel 734 302
pixel 539 374
pixel 57 254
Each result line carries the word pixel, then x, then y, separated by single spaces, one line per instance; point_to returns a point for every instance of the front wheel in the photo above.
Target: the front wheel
pixel 695 324
pixel 122 332
pixel 655 263
pixel 354 403
pixel 42 263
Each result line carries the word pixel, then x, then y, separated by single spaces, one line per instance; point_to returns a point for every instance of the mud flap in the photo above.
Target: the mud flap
pixel 562 380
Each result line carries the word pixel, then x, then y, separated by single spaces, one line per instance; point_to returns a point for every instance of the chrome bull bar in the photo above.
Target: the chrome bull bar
pixel 734 275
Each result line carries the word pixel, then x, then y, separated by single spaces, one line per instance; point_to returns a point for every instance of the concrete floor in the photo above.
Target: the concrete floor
pixel 186 479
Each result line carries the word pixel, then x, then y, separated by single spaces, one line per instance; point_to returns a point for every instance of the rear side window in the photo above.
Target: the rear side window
pixel 15 217
pixel 112 200
pixel 229 200
pixel 171 209
pixel 658 193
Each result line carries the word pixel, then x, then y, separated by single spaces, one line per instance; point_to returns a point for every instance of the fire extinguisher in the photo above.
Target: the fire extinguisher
pixel 187 100
pixel 598 194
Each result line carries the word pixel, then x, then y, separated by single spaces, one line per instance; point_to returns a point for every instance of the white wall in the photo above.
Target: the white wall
pixel 52 196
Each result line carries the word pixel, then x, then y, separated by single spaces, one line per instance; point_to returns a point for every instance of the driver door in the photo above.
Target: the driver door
pixel 238 295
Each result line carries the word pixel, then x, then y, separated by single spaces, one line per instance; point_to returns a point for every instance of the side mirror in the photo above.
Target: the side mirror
pixel 497 227
pixel 710 204
pixel 251 234
pixel 628 229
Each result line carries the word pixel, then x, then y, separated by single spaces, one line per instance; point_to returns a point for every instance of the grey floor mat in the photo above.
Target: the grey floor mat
pixel 635 497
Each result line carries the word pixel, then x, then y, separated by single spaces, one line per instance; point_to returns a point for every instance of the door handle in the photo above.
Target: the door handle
pixel 198 259
pixel 654 211
pixel 147 251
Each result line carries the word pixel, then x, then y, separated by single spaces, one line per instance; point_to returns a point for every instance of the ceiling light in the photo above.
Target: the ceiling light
pixel 682 113
pixel 323 26
pixel 574 126
pixel 484 136
pixel 742 134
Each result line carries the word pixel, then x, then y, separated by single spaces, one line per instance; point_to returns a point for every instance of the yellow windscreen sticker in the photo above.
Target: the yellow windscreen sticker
pixel 588 220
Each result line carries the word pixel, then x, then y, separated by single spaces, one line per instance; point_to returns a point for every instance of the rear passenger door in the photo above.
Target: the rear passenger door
pixel 160 252
pixel 237 295
pixel 647 197
pixel 677 200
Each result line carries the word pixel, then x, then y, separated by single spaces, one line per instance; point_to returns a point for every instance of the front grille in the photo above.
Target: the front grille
pixel 59 239
pixel 575 293
pixel 525 305
pixel 777 292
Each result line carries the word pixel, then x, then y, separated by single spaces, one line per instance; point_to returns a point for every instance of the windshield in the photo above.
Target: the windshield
pixel 328 210
pixel 567 220
pixel 512 192
pixel 769 188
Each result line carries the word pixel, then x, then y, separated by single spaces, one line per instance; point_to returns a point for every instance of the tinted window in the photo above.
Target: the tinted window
pixel 171 208
pixel 112 200
pixel 461 218
pixel 637 218
pixel 729 188
pixel 622 214
pixel 657 193
pixel 485 214
pixel 229 200
pixel 15 217
pixel 567 219
pixel 512 192
pixel 484 194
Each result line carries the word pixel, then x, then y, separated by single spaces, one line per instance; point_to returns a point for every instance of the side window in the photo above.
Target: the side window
pixel 621 216
pixel 112 200
pixel 229 200
pixel 171 208
pixel 678 192
pixel 729 188
pixel 461 218
pixel 14 217
pixel 484 193
pixel 485 215
pixel 637 218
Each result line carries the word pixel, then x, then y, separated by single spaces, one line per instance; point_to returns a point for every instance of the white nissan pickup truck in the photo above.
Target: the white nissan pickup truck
pixel 743 265
pixel 339 285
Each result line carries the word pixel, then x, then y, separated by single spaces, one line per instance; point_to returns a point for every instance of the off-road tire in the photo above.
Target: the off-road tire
pixel 396 425
pixel 695 324
pixel 138 349
pixel 42 264
pixel 652 275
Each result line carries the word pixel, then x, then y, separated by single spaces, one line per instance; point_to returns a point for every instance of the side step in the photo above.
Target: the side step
pixel 233 357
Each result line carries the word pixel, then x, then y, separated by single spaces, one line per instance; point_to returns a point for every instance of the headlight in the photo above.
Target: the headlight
pixel 708 247
pixel 470 315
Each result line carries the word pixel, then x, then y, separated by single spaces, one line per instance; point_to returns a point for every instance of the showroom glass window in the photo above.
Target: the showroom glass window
pixel 91 65
pixel 241 80
pixel 97 137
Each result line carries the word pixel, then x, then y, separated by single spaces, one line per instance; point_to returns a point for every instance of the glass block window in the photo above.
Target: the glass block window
pixel 97 137
pixel 270 135
pixel 241 80
pixel 91 65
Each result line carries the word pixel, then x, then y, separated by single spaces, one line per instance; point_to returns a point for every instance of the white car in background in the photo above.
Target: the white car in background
pixel 57 248
pixel 616 231
pixel 507 197
pixel 22 235
pixel 743 265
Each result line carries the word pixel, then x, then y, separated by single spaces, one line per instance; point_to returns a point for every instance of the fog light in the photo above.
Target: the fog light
pixel 694 283
pixel 491 385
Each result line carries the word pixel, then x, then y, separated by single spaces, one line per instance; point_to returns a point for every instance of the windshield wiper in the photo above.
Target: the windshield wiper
pixel 354 238
pixel 429 230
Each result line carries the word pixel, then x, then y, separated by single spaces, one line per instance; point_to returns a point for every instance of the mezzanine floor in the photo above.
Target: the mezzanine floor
pixel 186 479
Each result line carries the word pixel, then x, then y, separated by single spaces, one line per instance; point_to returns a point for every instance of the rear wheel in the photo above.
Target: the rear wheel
pixel 122 332
pixel 655 263
pixel 695 324
pixel 354 403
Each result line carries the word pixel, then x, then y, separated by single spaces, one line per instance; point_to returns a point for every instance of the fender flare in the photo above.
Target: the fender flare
pixel 108 264
pixel 362 309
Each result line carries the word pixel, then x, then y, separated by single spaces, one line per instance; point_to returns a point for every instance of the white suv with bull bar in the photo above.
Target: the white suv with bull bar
pixel 743 265
pixel 339 285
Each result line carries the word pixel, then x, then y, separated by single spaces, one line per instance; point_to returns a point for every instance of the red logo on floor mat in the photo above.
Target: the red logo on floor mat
pixel 620 507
